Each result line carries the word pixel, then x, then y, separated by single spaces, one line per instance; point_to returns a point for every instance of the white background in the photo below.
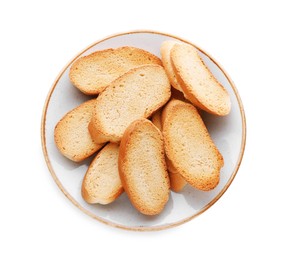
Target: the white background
pixel 248 38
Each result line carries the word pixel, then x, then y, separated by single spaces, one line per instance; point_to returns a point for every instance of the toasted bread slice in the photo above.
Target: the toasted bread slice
pixel 101 183
pixel 177 182
pixel 71 133
pixel 166 59
pixel 189 146
pixel 142 167
pixel 136 94
pixel 93 73
pixel 198 83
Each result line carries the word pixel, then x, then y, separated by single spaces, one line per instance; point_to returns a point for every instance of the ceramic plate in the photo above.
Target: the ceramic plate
pixel 228 133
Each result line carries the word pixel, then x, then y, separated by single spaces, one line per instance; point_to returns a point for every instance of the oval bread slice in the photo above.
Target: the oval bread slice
pixel 166 58
pixel 177 182
pixel 71 133
pixel 101 183
pixel 136 94
pixel 198 83
pixel 142 167
pixel 189 146
pixel 93 73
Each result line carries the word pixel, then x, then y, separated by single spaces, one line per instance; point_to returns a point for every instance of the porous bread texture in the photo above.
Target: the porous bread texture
pixel 91 74
pixel 197 82
pixel 136 94
pixel 177 182
pixel 189 146
pixel 101 183
pixel 166 59
pixel 142 167
pixel 71 133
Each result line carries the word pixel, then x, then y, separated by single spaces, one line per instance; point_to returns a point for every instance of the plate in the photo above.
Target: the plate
pixel 228 133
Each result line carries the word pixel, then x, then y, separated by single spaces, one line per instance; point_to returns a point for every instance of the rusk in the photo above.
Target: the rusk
pixel 166 59
pixel 177 182
pixel 136 94
pixel 71 133
pixel 142 167
pixel 189 146
pixel 93 73
pixel 197 82
pixel 101 183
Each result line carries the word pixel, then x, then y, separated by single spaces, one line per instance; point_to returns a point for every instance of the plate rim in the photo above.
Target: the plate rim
pixel 142 228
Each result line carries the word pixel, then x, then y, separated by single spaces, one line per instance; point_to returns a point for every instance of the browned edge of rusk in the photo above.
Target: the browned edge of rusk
pixel 141 228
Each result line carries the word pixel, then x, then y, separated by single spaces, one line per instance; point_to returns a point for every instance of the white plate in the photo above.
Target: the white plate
pixel 228 133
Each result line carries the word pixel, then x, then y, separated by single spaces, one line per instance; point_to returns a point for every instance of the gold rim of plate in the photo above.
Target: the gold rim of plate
pixel 136 228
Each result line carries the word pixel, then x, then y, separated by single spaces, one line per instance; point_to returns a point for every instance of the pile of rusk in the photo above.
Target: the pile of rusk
pixel 150 138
